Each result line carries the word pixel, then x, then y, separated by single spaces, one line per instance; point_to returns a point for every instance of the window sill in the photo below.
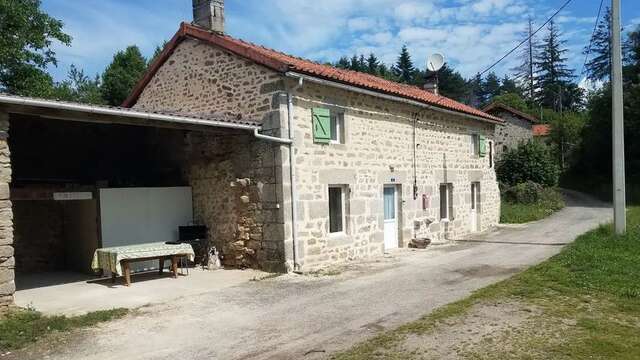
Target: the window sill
pixel 340 234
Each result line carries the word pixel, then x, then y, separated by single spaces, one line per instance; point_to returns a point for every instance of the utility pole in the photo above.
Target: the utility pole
pixel 619 202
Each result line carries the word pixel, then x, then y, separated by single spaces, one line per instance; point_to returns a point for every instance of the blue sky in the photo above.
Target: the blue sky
pixel 471 33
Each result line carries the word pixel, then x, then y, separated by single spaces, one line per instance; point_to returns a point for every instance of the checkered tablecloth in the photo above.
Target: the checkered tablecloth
pixel 109 258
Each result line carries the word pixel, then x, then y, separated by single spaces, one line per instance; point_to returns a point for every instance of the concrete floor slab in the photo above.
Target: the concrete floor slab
pixel 71 293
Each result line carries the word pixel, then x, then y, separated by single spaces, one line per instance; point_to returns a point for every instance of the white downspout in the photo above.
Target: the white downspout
pixel 292 175
pixel 292 169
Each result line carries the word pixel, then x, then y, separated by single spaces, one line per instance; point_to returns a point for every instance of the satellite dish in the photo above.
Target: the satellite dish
pixel 435 62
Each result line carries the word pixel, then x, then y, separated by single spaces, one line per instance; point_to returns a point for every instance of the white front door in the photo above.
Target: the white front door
pixel 475 201
pixel 390 217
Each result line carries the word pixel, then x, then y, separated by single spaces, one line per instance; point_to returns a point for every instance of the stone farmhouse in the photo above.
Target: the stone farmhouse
pixel 517 128
pixel 290 164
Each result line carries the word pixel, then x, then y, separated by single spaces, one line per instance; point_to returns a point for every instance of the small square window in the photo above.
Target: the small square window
pixel 337 128
pixel 337 208
pixel 446 201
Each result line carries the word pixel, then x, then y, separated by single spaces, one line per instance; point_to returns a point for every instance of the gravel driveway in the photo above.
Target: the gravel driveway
pixel 309 317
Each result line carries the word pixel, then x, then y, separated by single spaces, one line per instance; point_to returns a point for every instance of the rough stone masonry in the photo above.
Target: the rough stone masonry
pixel 7 261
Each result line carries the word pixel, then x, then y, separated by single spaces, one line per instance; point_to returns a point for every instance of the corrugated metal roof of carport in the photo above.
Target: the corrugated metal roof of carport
pixel 40 107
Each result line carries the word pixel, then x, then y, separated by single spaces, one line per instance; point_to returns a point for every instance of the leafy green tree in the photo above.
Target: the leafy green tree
pixel 513 100
pixel 404 69
pixel 530 161
pixel 565 136
pixel 118 80
pixel 553 75
pixel 598 67
pixel 26 37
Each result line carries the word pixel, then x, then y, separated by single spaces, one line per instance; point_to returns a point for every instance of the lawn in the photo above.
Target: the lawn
pixel 513 213
pixel 584 303
pixel 21 327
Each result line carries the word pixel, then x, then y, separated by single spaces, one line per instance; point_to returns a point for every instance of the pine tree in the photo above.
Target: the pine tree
pixel 372 64
pixel 552 76
pixel 599 52
pixel 525 71
pixel 451 84
pixel 475 96
pixel 404 69
pixel 354 63
pixel 122 75
pixel 490 87
pixel 509 86
pixel 343 63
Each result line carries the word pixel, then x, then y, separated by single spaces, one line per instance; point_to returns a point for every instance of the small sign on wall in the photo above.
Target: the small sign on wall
pixel 68 196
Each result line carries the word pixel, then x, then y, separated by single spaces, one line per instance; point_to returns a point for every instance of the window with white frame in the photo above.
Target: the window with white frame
pixel 337 127
pixel 446 201
pixel 337 208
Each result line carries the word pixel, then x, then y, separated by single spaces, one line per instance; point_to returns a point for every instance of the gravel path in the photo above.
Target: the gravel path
pixel 309 317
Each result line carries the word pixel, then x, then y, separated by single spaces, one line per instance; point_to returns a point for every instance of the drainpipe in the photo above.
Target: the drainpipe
pixel 292 174
pixel 292 169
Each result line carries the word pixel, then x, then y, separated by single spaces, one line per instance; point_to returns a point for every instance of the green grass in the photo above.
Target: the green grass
pixel 21 327
pixel 523 213
pixel 593 283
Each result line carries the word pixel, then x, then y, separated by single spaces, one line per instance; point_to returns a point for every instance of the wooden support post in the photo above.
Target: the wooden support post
pixel 160 265
pixel 127 273
pixel 174 266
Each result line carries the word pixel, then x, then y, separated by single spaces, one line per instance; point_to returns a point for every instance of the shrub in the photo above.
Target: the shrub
pixel 531 161
pixel 524 193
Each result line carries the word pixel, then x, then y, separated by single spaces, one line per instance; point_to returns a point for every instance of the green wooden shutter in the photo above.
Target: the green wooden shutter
pixel 482 146
pixel 321 125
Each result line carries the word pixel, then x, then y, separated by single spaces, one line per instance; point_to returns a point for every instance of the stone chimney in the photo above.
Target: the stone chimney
pixel 209 14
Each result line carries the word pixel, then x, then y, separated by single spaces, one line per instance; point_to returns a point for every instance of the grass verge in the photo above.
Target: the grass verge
pixel 588 298
pixel 511 213
pixel 21 327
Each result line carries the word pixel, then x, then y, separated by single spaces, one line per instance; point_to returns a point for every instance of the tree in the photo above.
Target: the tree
pixel 599 65
pixel 530 161
pixel 513 100
pixel 404 69
pixel 565 135
pixel 372 64
pixel 122 75
pixel 553 76
pixel 632 56
pixel 79 88
pixel 509 86
pixel 26 37
pixel 525 71
pixel 490 87
pixel 343 63
pixel 451 84
pixel 476 91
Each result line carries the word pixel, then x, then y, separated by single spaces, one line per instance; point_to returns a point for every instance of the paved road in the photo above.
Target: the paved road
pixel 290 316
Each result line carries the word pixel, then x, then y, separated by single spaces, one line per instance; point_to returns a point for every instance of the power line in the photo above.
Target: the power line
pixel 595 27
pixel 527 39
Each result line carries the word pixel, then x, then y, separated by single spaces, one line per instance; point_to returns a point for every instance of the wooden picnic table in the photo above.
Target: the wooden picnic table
pixel 118 260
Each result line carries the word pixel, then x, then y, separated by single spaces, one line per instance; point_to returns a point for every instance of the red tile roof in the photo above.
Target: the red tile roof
pixel 494 107
pixel 541 130
pixel 284 63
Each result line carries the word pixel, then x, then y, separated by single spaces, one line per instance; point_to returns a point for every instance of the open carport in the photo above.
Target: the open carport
pixel 75 178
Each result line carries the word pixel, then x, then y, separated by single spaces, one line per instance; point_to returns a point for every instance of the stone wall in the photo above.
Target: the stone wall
pixel 235 194
pixel 514 131
pixel 378 150
pixel 237 181
pixel 202 79
pixel 41 247
pixel 7 261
